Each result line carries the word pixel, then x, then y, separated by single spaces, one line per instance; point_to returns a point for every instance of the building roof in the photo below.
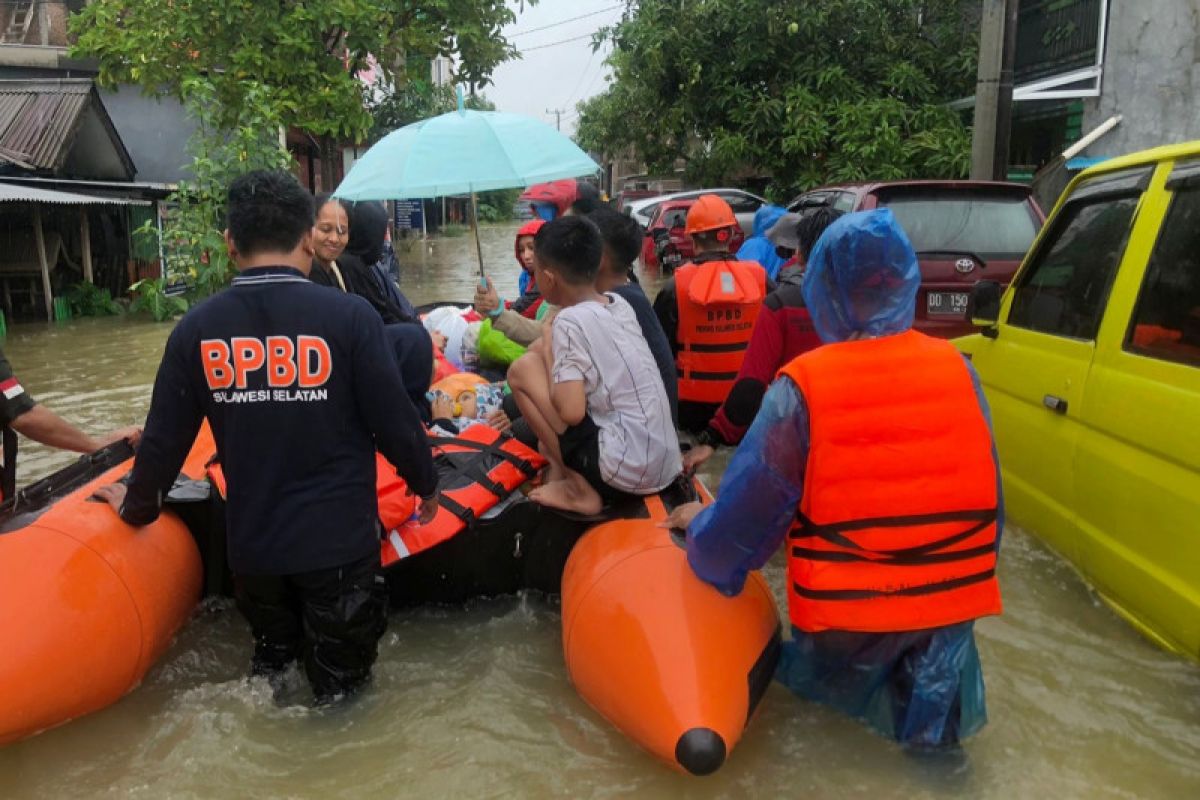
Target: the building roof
pixel 60 126
pixel 11 193
pixel 142 190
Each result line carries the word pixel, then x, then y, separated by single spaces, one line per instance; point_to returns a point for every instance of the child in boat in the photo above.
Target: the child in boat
pixel 590 390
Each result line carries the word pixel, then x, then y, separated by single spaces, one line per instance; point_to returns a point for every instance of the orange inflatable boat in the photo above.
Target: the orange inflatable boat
pixel 87 603
pixel 666 658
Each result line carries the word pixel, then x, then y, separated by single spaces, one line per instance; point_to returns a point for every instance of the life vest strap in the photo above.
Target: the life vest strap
pixel 908 591
pixel 915 560
pixel 464 514
pixel 478 473
pixel 725 347
pixel 965 515
pixel 706 376
pixel 921 554
pixel 495 449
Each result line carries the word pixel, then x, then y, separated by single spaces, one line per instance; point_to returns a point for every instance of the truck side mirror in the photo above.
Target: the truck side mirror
pixel 983 307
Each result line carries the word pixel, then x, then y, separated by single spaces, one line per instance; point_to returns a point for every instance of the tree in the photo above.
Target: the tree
pixel 393 107
pixel 805 93
pixel 305 55
pixel 248 69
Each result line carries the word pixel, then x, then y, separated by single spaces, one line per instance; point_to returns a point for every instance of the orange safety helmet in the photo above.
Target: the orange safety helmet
pixel 709 213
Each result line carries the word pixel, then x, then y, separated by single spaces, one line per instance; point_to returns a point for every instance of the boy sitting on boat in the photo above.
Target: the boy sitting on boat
pixel 590 390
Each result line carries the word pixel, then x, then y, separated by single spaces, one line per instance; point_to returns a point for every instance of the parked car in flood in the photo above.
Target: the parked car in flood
pixel 963 231
pixel 666 245
pixel 1091 364
pixel 744 204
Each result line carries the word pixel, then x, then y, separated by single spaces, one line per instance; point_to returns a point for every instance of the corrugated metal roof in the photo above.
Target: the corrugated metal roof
pixel 39 120
pixel 10 193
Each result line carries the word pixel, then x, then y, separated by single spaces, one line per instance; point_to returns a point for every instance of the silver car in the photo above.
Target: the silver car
pixel 743 203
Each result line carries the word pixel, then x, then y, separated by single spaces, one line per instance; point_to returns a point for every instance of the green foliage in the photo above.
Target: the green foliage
pixel 453 230
pixel 88 300
pixel 497 206
pixel 805 93
pixel 394 107
pixel 306 55
pixel 247 70
pixel 195 248
pixel 150 297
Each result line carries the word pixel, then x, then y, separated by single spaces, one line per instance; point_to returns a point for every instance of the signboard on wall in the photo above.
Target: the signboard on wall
pixel 410 215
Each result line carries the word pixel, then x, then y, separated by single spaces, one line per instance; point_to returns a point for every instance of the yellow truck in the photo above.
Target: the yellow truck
pixel 1091 364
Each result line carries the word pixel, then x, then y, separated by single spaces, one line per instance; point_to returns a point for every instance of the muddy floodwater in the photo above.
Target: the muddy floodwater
pixel 475 702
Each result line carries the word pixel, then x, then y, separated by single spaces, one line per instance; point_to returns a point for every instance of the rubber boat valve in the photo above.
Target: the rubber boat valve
pixel 701 751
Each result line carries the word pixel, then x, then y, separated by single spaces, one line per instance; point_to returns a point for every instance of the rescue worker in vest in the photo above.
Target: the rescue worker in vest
pixel 707 309
pixel 873 456
pixel 782 331
pixel 21 413
pixel 300 388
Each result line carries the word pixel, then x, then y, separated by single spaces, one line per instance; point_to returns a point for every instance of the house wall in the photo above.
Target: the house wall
pixel 155 132
pixel 1151 76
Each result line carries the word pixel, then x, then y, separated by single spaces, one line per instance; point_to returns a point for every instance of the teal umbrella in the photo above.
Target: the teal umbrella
pixel 464 152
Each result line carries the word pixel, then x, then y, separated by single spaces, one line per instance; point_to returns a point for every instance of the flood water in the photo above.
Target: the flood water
pixel 475 702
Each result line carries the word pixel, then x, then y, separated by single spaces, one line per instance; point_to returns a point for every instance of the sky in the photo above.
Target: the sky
pixel 558 76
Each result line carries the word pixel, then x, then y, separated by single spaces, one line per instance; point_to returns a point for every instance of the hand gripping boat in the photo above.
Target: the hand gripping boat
pixel 87 603
pixel 666 658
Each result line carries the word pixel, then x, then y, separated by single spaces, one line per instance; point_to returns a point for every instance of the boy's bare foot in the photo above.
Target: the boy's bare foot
pixel 569 494
pixel 553 473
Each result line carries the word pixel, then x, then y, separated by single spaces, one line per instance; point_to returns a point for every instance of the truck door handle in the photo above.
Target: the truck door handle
pixel 1055 404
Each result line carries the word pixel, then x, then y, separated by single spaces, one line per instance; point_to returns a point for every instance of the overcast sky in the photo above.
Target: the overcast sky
pixel 558 76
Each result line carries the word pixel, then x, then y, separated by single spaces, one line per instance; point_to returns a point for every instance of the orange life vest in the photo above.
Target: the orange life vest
pixel 896 530
pixel 476 470
pixel 718 302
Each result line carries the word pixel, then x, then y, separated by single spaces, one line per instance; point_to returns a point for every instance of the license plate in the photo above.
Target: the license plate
pixel 946 303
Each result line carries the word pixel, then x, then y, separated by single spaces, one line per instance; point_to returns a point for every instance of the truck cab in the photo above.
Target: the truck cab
pixel 1090 361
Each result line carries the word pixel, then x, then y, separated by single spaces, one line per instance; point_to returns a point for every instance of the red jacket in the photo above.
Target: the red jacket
pixel 782 331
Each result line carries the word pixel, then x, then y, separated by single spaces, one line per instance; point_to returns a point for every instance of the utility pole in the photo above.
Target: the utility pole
pixel 1004 107
pixel 557 112
pixel 993 90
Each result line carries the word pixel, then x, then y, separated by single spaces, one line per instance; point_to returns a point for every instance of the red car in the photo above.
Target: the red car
pixel 963 232
pixel 665 240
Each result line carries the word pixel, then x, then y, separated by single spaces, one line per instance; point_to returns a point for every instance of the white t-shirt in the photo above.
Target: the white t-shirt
pixel 603 346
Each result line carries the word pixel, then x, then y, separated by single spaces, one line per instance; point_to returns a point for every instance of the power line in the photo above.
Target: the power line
pixel 565 21
pixel 579 83
pixel 561 41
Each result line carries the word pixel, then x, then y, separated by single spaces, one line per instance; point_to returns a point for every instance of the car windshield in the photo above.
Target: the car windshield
pixel 992 225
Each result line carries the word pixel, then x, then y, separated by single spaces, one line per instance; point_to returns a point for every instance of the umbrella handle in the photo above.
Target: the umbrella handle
pixel 478 247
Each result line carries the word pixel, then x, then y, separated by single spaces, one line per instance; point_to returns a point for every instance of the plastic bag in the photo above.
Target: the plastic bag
pixel 450 322
pixel 496 349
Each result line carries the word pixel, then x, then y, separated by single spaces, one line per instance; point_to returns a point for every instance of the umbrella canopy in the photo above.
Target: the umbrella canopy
pixel 462 152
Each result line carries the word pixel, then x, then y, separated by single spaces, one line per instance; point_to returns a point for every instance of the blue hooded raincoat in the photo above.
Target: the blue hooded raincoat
pixel 758 247
pixel 923 688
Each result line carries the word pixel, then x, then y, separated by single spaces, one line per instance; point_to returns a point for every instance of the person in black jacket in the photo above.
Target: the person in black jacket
pixel 300 388
pixel 352 267
pixel 364 259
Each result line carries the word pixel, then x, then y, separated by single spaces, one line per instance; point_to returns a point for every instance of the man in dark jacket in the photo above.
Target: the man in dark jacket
pixel 300 389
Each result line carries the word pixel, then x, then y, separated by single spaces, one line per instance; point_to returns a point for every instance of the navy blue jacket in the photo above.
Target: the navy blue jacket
pixel 656 338
pixel 300 387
